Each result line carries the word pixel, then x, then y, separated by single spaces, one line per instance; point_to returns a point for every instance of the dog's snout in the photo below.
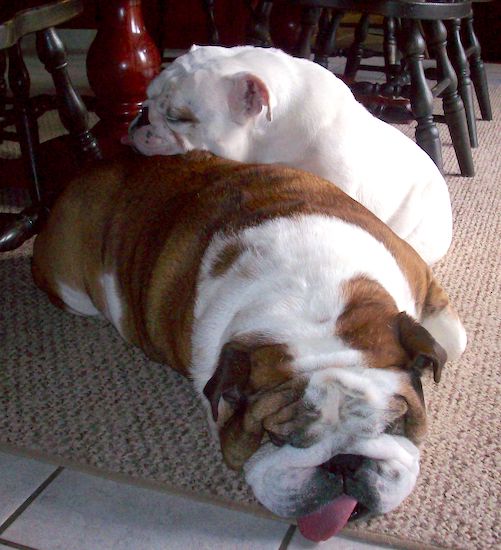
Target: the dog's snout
pixel 344 464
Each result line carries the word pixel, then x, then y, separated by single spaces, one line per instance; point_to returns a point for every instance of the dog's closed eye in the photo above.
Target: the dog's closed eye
pixel 181 116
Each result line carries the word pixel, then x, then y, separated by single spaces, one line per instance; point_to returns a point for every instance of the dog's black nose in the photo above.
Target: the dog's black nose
pixel 142 119
pixel 344 464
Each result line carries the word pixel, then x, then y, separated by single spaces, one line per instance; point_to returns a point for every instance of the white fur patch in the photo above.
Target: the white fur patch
pixel 448 331
pixel 287 284
pixel 78 302
pixel 352 400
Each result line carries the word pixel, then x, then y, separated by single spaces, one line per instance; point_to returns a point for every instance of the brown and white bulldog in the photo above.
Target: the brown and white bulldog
pixel 304 322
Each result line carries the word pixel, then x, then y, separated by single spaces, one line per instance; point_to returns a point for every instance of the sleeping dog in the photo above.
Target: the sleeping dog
pixel 262 105
pixel 303 321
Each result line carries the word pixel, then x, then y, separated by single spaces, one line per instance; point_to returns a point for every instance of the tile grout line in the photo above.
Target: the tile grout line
pixel 18 511
pixel 15 545
pixel 287 537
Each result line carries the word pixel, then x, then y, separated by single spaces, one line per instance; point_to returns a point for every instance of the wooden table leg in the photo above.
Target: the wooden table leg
pixel 26 124
pixel 121 62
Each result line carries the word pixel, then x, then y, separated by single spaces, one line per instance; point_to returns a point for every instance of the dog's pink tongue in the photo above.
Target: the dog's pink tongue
pixel 328 520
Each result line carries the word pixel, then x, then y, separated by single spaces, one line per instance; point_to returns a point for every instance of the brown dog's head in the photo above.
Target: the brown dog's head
pixel 266 401
pixel 259 389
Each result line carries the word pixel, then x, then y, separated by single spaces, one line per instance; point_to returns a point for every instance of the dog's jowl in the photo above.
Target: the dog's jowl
pixel 304 322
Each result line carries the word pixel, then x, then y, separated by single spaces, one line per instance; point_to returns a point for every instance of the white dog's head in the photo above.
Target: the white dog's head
pixel 207 99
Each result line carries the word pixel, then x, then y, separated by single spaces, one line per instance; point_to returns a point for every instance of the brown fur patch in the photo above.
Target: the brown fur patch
pixel 270 367
pixel 256 382
pixel 226 258
pixel 367 323
pixel 415 420
pixel 436 299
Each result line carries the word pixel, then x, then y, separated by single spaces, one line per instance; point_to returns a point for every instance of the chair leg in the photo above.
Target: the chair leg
pixel 477 68
pixel 460 63
pixel 258 30
pixel 26 124
pixel 390 49
pixel 72 110
pixel 412 46
pixel 327 38
pixel 17 228
pixel 454 111
pixel 3 83
pixel 212 30
pixel 309 22
pixel 356 50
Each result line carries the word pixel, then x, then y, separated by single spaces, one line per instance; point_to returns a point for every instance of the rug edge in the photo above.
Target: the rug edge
pixel 164 487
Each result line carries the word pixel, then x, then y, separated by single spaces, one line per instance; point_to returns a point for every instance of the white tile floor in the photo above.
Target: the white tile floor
pixel 48 508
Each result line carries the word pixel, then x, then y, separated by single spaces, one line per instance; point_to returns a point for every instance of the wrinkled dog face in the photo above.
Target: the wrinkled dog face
pixel 193 107
pixel 346 443
pixel 292 429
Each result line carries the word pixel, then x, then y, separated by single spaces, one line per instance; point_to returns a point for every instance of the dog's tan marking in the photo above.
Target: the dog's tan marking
pixel 226 259
pixel 367 323
pixel 436 299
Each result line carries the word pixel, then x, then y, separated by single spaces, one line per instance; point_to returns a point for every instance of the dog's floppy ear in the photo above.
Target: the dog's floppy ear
pixel 242 367
pixel 420 345
pixel 255 379
pixel 230 378
pixel 247 96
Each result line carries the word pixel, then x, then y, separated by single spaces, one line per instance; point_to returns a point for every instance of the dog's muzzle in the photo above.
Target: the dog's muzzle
pixel 334 481
pixel 147 139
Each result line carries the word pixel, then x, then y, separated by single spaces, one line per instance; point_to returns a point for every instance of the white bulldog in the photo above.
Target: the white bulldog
pixel 262 105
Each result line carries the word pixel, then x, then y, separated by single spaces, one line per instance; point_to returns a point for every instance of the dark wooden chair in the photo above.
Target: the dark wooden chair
pixel 411 30
pixel 17 20
pixel 465 60
pixel 412 16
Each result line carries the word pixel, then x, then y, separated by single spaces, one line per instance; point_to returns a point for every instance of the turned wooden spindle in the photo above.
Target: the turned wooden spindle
pixel 413 46
pixel 121 62
pixel 72 111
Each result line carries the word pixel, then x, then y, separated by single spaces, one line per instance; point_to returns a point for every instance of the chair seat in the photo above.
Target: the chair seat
pixel 408 9
pixel 27 16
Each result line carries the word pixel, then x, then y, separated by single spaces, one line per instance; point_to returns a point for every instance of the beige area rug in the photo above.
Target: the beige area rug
pixel 71 391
